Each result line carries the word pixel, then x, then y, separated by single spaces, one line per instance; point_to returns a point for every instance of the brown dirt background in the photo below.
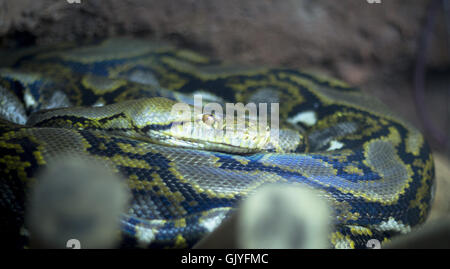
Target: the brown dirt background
pixel 373 46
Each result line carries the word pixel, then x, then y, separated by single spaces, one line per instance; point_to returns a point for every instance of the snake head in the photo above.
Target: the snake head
pixel 180 124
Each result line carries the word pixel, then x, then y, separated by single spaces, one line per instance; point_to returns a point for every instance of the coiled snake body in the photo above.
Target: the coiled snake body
pixel 375 169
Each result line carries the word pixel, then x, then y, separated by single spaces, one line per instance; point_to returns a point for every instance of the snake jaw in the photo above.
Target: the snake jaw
pixel 210 132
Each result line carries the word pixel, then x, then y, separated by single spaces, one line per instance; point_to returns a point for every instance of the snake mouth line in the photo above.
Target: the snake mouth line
pixel 201 136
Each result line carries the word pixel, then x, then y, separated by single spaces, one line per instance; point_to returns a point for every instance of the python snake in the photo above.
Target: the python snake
pixel 375 169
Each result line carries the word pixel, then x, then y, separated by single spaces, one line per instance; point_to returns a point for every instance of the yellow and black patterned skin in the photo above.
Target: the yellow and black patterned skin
pixel 375 169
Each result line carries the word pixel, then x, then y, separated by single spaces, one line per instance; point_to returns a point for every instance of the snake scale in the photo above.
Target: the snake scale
pixel 375 169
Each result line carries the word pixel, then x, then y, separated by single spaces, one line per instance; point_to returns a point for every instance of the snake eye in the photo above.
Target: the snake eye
pixel 208 119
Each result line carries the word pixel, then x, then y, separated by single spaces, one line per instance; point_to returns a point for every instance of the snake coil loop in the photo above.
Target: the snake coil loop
pixel 110 101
